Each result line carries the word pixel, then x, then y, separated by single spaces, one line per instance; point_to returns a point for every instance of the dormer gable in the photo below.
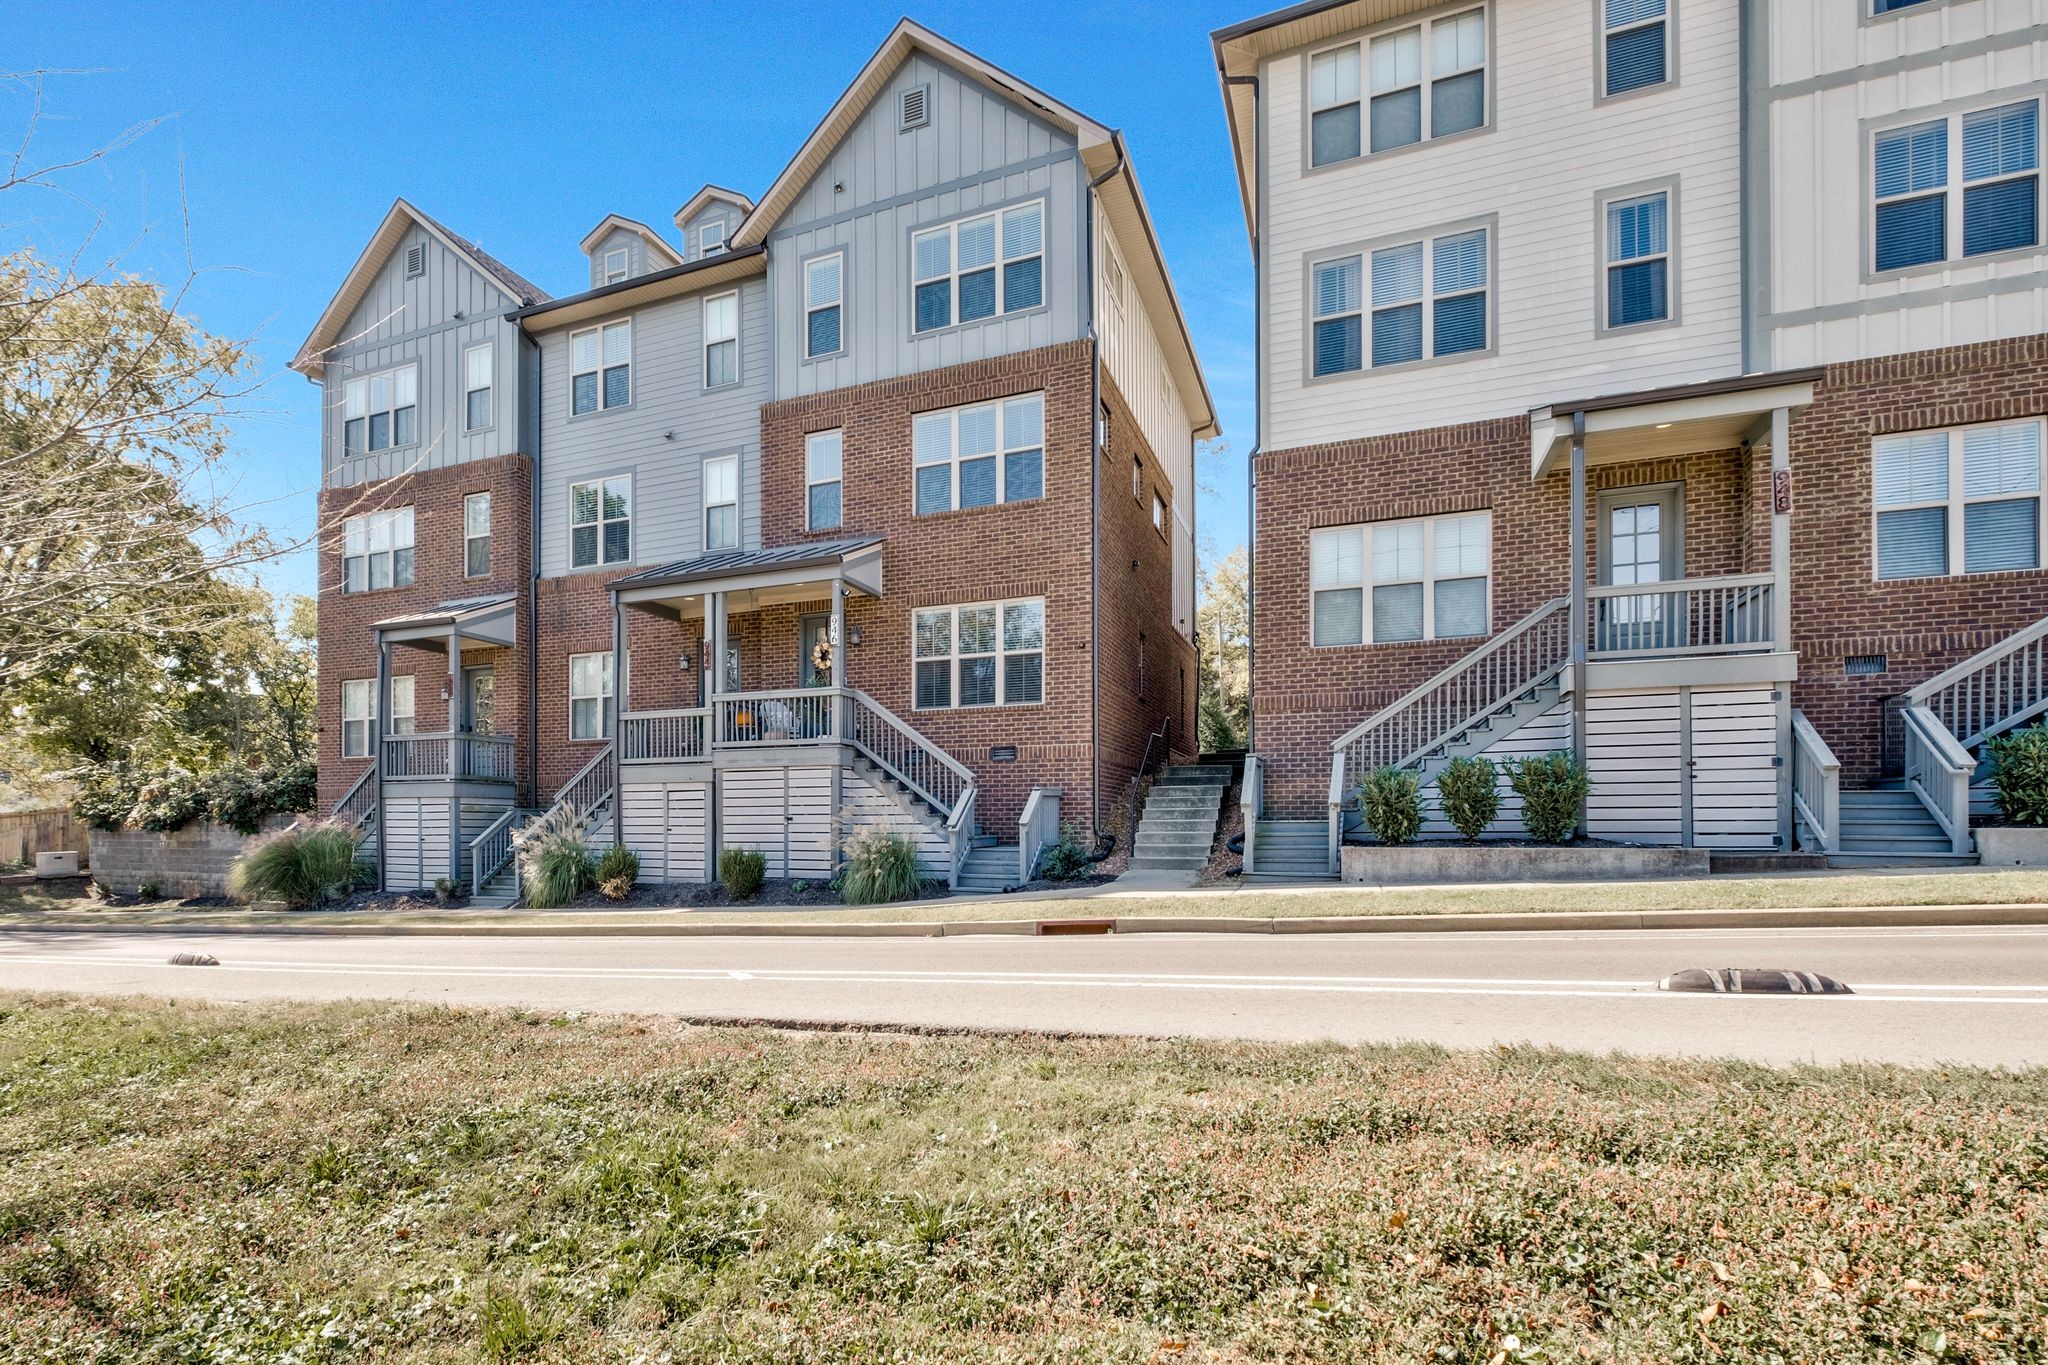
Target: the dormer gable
pixel 622 249
pixel 709 219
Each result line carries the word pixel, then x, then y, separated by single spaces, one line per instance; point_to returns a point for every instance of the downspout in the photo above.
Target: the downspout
pixel 533 588
pixel 1251 461
pixel 1116 142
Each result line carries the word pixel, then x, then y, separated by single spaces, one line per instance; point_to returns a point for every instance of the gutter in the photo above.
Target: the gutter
pixel 1251 459
pixel 1116 142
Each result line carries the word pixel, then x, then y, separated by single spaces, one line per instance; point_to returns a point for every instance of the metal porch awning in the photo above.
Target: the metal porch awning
pixel 483 621
pixel 1650 424
pixel 855 561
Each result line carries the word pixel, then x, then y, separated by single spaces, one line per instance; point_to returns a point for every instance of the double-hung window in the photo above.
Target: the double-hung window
pixel 1427 298
pixel 358 714
pixel 1638 250
pixel 722 503
pixel 1401 580
pixel 1424 81
pixel 377 550
pixel 476 535
pixel 1159 514
pixel 590 695
pixel 601 367
pixel 711 237
pixel 721 340
pixel 1921 216
pixel 615 265
pixel 601 522
pixel 1958 502
pixel 979 267
pixel 824 297
pixel 1333 101
pixel 981 455
pixel 402 705
pixel 477 366
pixel 989 654
pixel 823 452
pixel 381 410
pixel 1635 45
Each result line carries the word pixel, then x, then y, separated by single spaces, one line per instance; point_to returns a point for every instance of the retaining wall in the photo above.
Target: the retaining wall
pixel 192 861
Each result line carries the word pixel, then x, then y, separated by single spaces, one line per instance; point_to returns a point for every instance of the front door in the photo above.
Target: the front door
pixel 476 700
pixel 1642 540
pixel 814 642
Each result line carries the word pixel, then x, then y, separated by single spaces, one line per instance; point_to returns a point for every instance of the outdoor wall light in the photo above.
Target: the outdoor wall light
pixel 683 662
pixel 854 633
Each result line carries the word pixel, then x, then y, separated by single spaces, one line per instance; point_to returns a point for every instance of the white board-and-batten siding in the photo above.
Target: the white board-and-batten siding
pixel 1534 173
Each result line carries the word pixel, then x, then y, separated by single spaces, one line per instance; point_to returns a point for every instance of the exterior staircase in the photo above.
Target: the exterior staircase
pixel 1179 825
pixel 1890 825
pixel 990 867
pixel 1291 851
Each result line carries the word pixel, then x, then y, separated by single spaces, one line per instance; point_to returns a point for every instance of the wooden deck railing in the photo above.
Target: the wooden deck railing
pixel 1938 770
pixel 476 757
pixel 1728 615
pixel 646 736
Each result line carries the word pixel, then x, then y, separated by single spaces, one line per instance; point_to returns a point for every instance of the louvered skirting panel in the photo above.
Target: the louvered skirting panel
pixel 1632 761
pixel 785 814
pixel 668 826
pixel 1734 783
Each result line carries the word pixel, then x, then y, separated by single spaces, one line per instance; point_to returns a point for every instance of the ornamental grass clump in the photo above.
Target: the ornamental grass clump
pixel 1553 789
pixel 617 870
pixel 880 867
pixel 303 867
pixel 1390 799
pixel 742 870
pixel 1468 789
pixel 2019 772
pixel 554 858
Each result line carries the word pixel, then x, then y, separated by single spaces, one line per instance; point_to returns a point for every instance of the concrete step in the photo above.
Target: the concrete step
pixel 1170 823
pixel 1145 862
pixel 1846 859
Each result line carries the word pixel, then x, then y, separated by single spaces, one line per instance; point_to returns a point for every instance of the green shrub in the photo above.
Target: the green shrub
pixel 1067 857
pixel 880 867
pixel 554 858
pixel 1390 799
pixel 1552 787
pixel 169 801
pixel 118 795
pixel 742 870
pixel 304 866
pixel 1468 789
pixel 2019 772
pixel 617 870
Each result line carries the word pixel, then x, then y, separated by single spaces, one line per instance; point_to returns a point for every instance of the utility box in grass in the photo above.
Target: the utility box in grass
pixel 64 864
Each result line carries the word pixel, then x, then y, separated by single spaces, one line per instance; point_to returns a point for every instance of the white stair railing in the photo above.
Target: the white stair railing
pixel 490 851
pixel 1251 799
pixel 1992 691
pixel 903 753
pixel 960 829
pixel 1938 770
pixel 1816 784
pixel 1037 827
pixel 1725 615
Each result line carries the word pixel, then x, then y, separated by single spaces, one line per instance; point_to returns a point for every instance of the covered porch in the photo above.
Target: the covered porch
pixel 469 748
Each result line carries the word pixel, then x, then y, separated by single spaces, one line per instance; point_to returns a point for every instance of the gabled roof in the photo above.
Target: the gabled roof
pixel 401 219
pixel 613 221
pixel 702 273
pixel 1102 154
pixel 705 196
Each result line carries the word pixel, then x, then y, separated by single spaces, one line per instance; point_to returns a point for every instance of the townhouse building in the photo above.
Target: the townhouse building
pixel 868 501
pixel 1658 379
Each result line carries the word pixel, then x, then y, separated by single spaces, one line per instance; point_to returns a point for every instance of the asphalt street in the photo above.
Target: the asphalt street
pixel 1921 996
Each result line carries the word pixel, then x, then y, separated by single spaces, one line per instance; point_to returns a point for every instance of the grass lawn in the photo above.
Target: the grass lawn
pixel 232 1183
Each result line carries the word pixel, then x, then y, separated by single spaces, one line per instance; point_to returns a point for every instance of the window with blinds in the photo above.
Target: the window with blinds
pixel 1635 46
pixel 1962 501
pixel 1396 581
pixel 1422 81
pixel 1638 232
pixel 824 296
pixel 1951 188
pixel 1427 299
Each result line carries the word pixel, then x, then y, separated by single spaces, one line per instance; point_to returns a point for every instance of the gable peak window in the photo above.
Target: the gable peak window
pixel 1427 80
pixel 1393 581
pixel 721 340
pixel 978 267
pixel 711 238
pixel 722 503
pixel 824 297
pixel 476 535
pixel 988 654
pixel 824 453
pixel 1962 501
pixel 1428 298
pixel 1638 249
pixel 981 455
pixel 1635 45
pixel 376 550
pixel 380 411
pixel 1924 213
pixel 601 522
pixel 615 265
pixel 601 367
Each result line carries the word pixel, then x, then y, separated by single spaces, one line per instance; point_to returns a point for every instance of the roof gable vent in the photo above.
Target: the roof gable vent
pixel 913 108
pixel 416 260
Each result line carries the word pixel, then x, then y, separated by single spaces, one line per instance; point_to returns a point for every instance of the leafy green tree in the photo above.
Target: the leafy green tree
pixel 1223 640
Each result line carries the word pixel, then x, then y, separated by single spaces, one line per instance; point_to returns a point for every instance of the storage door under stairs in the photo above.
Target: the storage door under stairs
pixel 668 825
pixel 785 814
pixel 1688 765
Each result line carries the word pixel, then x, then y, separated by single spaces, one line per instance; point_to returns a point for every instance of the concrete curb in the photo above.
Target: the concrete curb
pixel 1836 917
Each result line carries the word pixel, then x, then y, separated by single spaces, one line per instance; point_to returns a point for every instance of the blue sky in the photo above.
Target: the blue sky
pixel 520 126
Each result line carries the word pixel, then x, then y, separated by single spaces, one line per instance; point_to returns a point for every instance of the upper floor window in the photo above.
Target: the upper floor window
pixel 615 265
pixel 957 451
pixel 990 654
pixel 824 452
pixel 380 410
pixel 1919 217
pixel 477 365
pixel 402 705
pixel 590 695
pixel 358 712
pixel 722 503
pixel 1411 99
pixel 1888 6
pixel 376 550
pixel 601 367
pixel 711 237
pixel 601 522
pixel 476 535
pixel 979 267
pixel 1635 45
pixel 1427 578
pixel 1958 502
pixel 824 291
pixel 721 340
pixel 1639 260
pixel 1428 298
pixel 1159 514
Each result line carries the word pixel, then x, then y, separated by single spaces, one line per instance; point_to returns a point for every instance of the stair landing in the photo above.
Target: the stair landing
pixel 1887 826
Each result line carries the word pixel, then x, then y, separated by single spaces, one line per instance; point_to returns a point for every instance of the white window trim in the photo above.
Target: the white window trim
pixel 1004 449
pixel 704 331
pixel 367 719
pixel 711 237
pixel 1953 187
pixel 810 438
pixel 470 537
pixel 489 387
pixel 738 525
pixel 600 369
pixel 355 392
pixel 615 274
pixel 1603 31
pixel 1366 583
pixel 603 697
pixel 953 271
pixel 1605 202
pixel 1364 253
pixel 602 521
pixel 356 532
pixel 404 704
pixel 838 302
pixel 1958 501
pixel 953 655
pixel 1363 41
pixel 1159 514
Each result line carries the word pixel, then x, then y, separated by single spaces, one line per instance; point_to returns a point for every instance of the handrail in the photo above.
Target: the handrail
pixel 1816 784
pixel 452 754
pixel 654 735
pixel 960 834
pixel 1938 770
pixel 1663 585
pixel 1037 827
pixel 1162 736
pixel 1993 690
pixel 1729 614
pixel 902 752
pixel 1335 850
pixel 491 850
pixel 1251 800
pixel 358 805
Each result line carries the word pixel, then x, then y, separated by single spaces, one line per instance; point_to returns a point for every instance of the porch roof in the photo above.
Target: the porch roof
pixel 1719 414
pixel 857 559
pixel 490 620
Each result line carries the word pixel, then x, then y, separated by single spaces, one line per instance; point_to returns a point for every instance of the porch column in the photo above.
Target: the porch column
pixel 1577 613
pixel 1781 604
pixel 380 706
pixel 621 670
pixel 458 753
pixel 715 612
pixel 838 637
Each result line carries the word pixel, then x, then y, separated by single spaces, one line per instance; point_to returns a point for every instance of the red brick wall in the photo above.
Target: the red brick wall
pixel 1838 607
pixel 347 643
